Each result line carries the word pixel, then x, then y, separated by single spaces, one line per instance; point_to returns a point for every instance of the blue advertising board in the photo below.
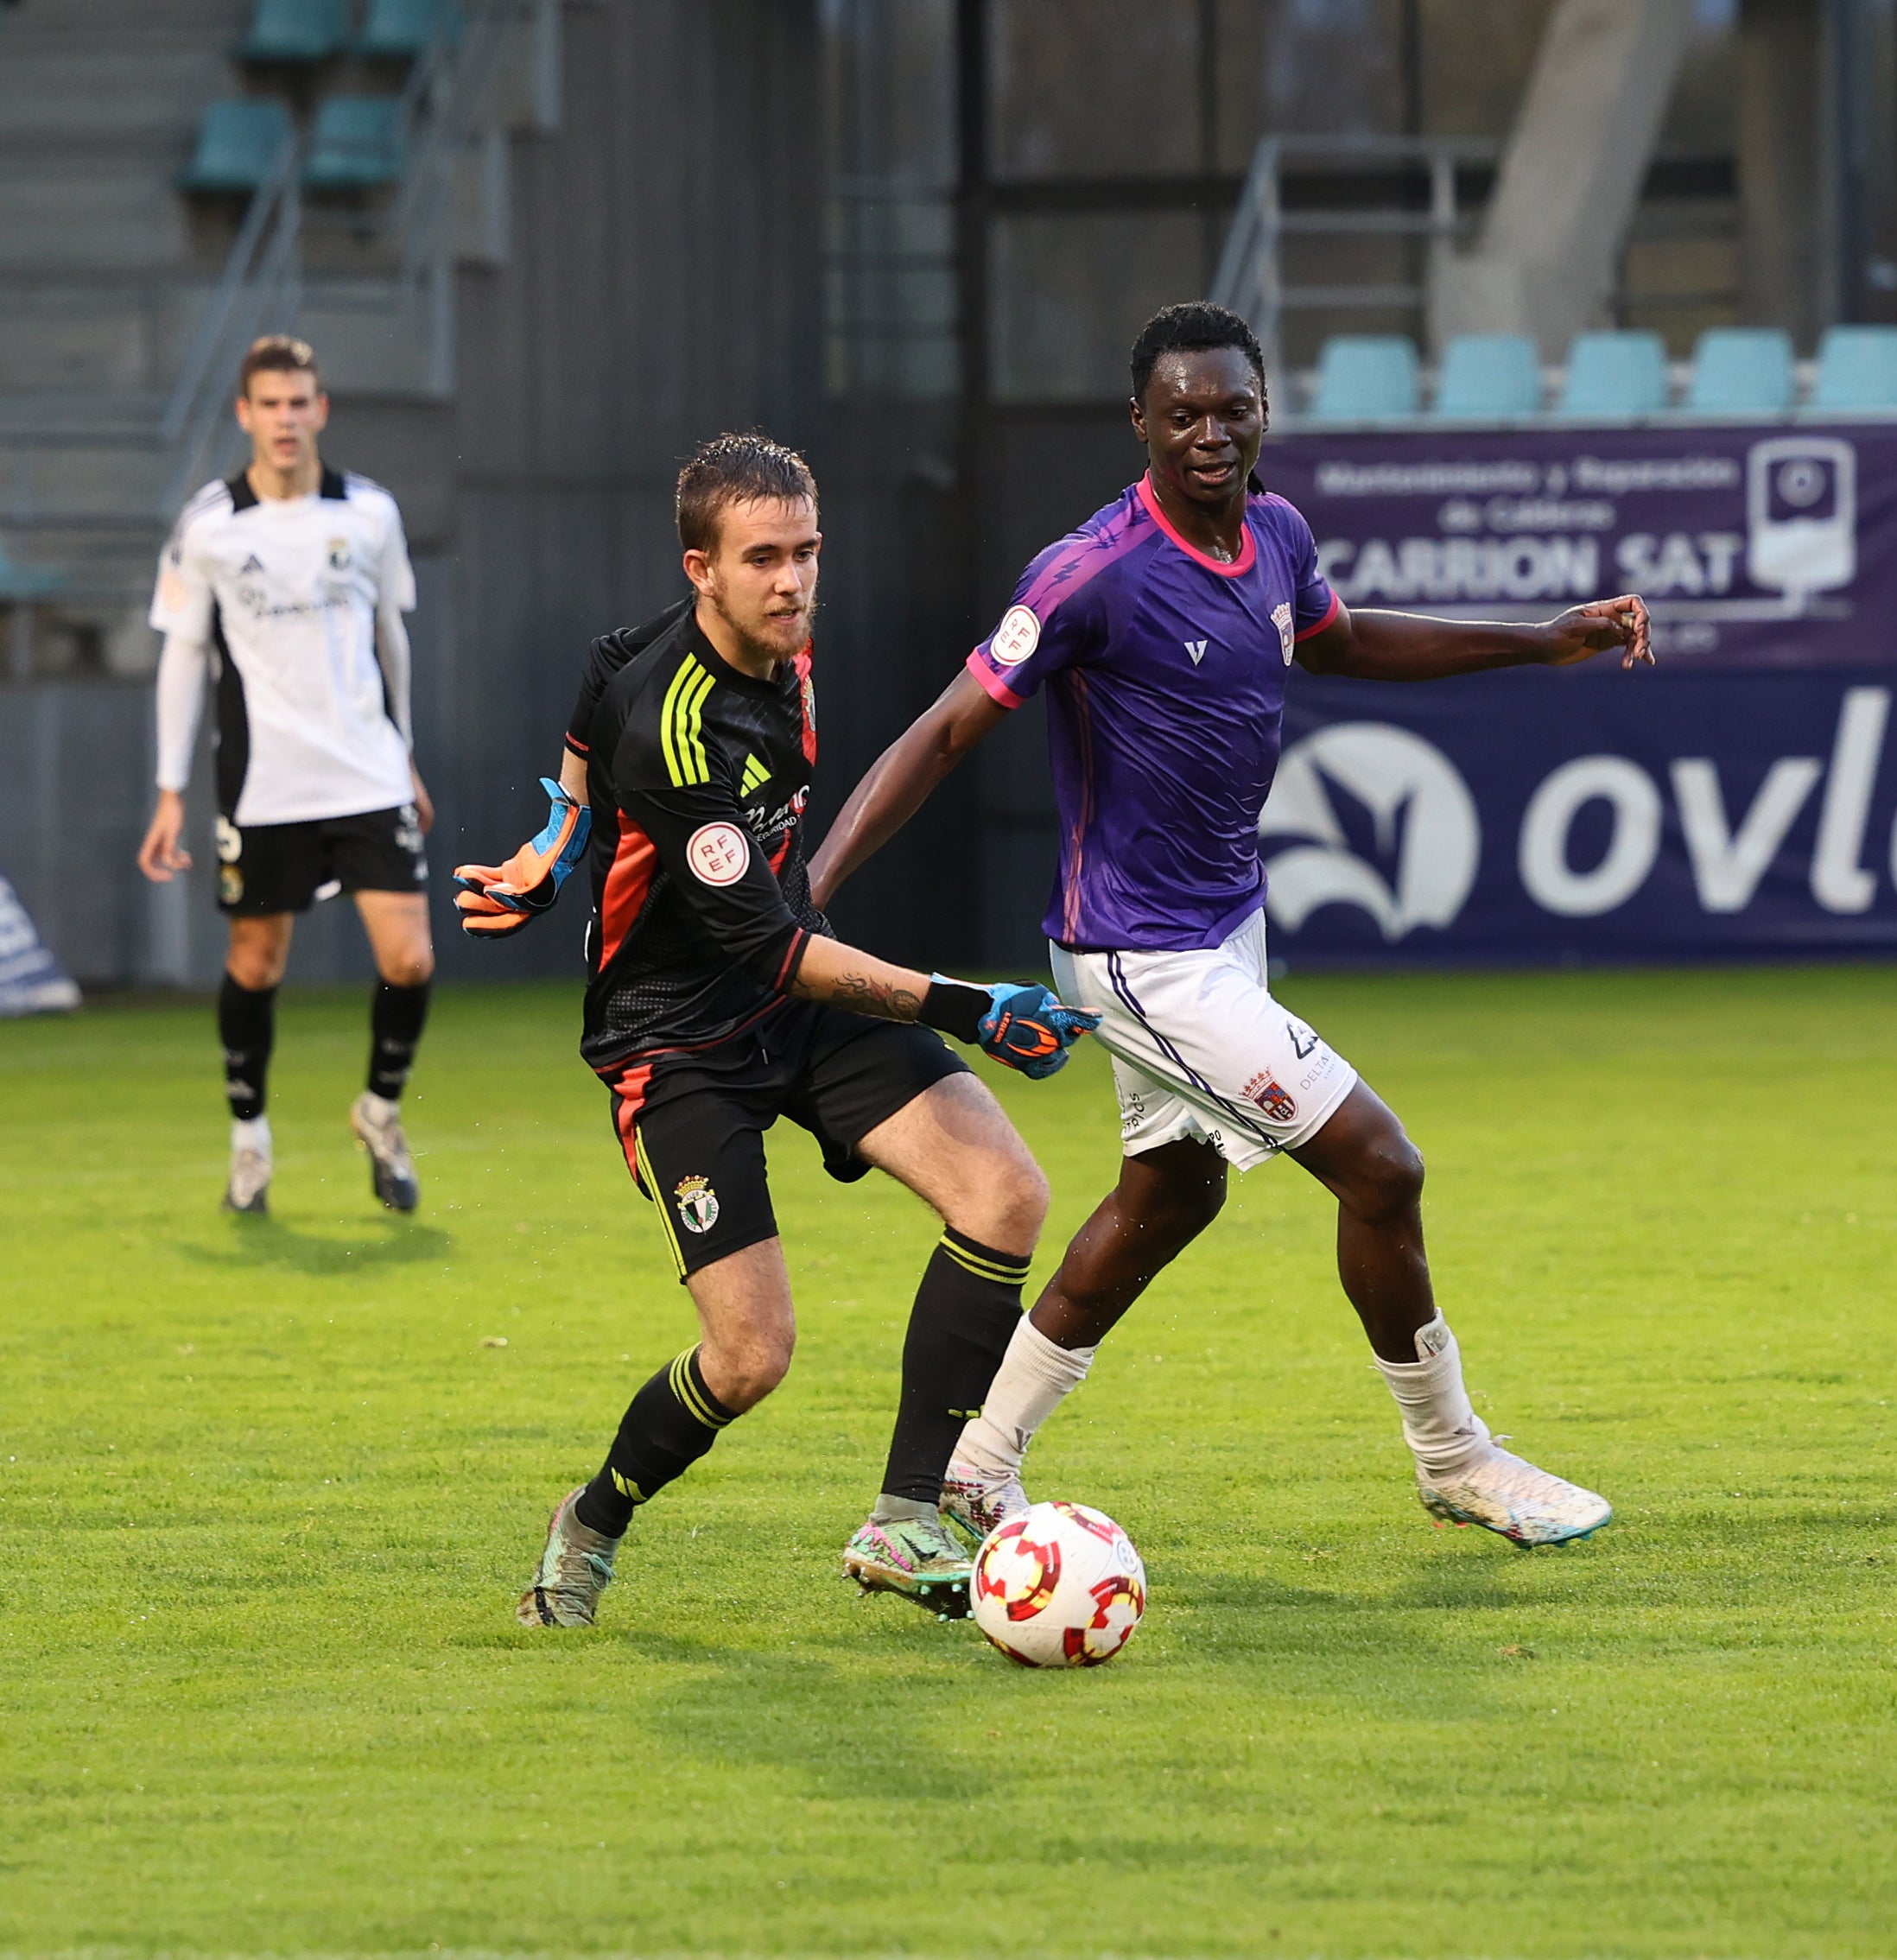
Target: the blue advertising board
pixel 1740 801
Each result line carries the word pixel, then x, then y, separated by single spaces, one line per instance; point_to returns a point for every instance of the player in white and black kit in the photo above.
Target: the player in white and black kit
pixel 286 585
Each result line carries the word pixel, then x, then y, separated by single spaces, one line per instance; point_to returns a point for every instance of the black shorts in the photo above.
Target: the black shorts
pixel 692 1125
pixel 284 867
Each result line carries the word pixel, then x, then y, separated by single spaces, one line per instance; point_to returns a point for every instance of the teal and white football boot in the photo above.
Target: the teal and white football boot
pixel 575 1569
pixel 1505 1492
pixel 973 1505
pixel 919 1559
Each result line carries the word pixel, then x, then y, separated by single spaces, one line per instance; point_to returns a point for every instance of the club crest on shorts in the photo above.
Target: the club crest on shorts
pixel 1271 1097
pixel 229 885
pixel 1287 633
pixel 697 1204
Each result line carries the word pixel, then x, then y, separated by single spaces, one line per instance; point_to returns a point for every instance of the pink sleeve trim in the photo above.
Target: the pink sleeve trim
pixel 991 681
pixel 1330 613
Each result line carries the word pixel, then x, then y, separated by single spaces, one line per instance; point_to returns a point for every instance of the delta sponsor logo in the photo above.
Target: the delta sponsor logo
pixel 1371 815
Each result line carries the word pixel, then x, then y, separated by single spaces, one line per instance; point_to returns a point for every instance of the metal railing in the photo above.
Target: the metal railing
pixel 1251 275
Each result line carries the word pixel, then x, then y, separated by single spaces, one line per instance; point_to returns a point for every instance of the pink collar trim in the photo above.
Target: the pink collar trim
pixel 1247 552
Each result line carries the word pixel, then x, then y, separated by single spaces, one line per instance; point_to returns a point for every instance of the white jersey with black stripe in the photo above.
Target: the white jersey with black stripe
pixel 286 593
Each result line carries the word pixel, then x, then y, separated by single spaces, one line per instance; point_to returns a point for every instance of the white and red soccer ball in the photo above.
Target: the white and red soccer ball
pixel 1060 1585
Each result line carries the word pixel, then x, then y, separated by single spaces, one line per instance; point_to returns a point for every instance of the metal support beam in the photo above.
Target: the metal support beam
pixel 1570 178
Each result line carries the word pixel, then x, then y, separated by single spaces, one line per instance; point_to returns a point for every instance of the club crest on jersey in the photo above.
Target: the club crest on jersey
pixel 718 854
pixel 1287 631
pixel 697 1204
pixel 338 554
pixel 1271 1097
pixel 1016 638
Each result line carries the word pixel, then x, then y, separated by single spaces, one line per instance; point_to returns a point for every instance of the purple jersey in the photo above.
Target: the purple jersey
pixel 1165 712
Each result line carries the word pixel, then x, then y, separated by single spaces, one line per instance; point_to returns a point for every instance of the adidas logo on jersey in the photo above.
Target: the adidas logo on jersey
pixel 253 564
pixel 1197 648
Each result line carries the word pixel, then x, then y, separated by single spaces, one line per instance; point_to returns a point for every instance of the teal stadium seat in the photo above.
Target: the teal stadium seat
pixel 19 583
pixel 1489 375
pixel 355 145
pixel 1742 371
pixel 237 144
pixel 296 30
pixel 1366 377
pixel 401 29
pixel 1614 373
pixel 1856 369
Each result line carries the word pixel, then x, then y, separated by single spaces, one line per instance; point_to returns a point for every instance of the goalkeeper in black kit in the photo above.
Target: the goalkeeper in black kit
pixel 718 1000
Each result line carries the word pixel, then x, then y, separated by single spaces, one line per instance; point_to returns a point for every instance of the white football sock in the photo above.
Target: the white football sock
pixel 1034 1377
pixel 253 1135
pixel 1439 1424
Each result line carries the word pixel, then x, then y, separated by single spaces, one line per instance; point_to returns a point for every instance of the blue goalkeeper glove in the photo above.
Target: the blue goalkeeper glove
pixel 496 900
pixel 1018 1022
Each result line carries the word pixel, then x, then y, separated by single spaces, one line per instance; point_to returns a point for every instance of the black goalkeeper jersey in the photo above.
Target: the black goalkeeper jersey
pixel 698 776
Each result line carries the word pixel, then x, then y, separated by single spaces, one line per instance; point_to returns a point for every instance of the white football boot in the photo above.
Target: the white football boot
pixel 1507 1493
pixel 975 1504
pixel 377 1124
pixel 248 1189
pixel 576 1567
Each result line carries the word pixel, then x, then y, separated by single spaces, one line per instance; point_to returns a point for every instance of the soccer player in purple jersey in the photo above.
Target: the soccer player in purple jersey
pixel 1165 629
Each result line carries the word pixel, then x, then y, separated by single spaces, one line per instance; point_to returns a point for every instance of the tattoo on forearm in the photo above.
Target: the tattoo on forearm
pixel 886 1001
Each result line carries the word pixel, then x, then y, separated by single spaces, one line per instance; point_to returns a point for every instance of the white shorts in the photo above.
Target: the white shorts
pixel 1200 1049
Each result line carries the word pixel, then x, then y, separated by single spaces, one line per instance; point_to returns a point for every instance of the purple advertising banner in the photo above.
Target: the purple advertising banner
pixel 1738 802
pixel 1756 546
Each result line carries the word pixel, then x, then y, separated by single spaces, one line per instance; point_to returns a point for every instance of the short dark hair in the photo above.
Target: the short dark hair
pixel 1191 328
pixel 736 469
pixel 281 353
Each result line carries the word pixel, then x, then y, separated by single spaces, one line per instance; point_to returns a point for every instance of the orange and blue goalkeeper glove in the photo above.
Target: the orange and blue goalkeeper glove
pixel 496 900
pixel 1019 1024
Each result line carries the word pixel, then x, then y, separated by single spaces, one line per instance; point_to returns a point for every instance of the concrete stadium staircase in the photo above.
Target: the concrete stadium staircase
pixel 117 289
pixel 109 291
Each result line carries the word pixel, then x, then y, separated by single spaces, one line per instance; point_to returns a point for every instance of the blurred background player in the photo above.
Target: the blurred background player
pixel 286 585
pixel 1168 623
pixel 720 1000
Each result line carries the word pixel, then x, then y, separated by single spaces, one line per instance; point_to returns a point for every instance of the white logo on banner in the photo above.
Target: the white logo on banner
pixel 1425 817
pixel 1801 516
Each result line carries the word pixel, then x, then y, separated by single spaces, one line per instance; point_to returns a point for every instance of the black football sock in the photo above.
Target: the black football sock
pixel 965 1311
pixel 672 1422
pixel 396 1016
pixel 247 1027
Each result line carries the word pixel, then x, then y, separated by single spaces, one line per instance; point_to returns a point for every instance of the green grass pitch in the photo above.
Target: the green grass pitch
pixel 267 1492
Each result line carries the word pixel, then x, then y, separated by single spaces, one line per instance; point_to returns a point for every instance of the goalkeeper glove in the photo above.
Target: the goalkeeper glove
pixel 1019 1023
pixel 496 900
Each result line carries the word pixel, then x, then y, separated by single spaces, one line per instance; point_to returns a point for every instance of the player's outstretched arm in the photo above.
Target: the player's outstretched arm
pixel 496 901
pixel 899 781
pixel 1020 1024
pixel 1406 646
